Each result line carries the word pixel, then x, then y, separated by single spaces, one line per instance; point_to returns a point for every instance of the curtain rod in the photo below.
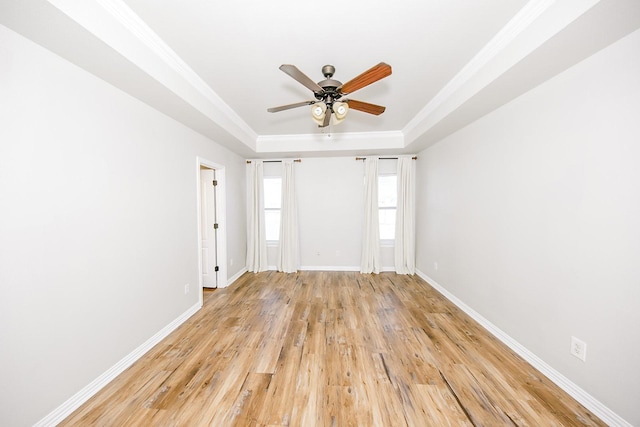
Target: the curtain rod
pixel 386 158
pixel 276 161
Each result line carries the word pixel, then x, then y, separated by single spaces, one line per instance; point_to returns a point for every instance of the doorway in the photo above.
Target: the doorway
pixel 211 225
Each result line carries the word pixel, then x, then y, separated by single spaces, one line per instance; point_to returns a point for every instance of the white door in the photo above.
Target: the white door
pixel 208 215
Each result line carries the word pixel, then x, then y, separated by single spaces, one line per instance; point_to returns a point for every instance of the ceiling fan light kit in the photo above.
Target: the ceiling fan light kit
pixel 329 93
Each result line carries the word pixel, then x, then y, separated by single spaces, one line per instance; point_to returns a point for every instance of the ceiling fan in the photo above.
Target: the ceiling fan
pixel 329 93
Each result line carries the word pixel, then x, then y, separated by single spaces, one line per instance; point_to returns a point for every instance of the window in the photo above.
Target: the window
pixel 272 200
pixel 387 201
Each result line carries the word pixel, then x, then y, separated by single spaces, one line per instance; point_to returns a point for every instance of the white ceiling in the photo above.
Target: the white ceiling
pixel 214 65
pixel 237 47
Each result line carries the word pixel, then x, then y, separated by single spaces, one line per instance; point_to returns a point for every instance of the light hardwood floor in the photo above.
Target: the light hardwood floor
pixel 330 349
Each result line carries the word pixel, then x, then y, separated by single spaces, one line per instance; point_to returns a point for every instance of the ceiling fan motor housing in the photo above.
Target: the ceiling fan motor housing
pixel 329 93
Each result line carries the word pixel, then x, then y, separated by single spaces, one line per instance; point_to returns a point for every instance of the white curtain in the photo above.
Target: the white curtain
pixel 256 235
pixel 288 249
pixel 370 262
pixel 405 242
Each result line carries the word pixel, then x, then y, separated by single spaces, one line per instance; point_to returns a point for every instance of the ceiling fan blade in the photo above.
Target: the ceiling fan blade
pixel 365 107
pixel 289 106
pixel 301 77
pixel 327 118
pixel 372 75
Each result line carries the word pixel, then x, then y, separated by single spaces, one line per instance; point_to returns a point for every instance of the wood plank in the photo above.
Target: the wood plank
pixel 310 392
pixel 278 406
pixel 330 349
pixel 248 404
pixel 473 398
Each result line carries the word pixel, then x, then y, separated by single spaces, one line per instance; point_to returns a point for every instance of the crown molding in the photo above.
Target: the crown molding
pixel 521 21
pixel 131 21
pixel 117 25
pixel 348 142
pixel 530 29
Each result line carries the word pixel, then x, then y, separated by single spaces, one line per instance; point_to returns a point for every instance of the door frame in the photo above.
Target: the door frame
pixel 221 216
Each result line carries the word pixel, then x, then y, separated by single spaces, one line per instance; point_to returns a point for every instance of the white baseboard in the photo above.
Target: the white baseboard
pixel 236 276
pixel 591 403
pixel 338 268
pixel 75 401
pixel 328 268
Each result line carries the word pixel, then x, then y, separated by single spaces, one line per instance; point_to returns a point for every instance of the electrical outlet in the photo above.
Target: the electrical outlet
pixel 186 289
pixel 579 349
pixel 435 266
pixel 231 261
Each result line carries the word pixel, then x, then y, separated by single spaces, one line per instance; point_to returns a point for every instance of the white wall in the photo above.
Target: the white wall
pixel 98 229
pixel 330 196
pixel 532 214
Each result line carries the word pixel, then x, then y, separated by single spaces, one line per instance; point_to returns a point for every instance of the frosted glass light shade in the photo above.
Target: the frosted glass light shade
pixel 340 110
pixel 318 111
